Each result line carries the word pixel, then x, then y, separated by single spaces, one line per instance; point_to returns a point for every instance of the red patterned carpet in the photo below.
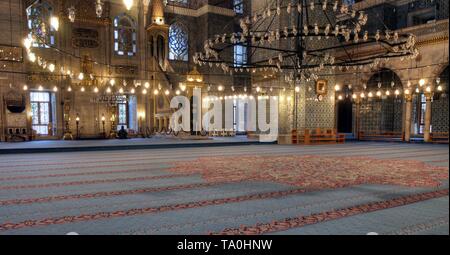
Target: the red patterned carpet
pixel 315 172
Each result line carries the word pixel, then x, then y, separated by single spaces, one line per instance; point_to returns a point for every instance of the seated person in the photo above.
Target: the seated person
pixel 123 134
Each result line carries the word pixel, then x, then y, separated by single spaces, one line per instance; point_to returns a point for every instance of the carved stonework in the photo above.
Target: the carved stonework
pixel 42 78
pixel 126 70
pixel 13 54
pixel 87 65
pixel 85 38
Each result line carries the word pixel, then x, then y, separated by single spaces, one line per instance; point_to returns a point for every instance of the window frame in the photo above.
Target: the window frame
pixel 240 59
pixel 173 56
pixel 422 107
pixel 127 114
pixel 117 36
pixel 238 7
pixel 39 104
pixel 39 6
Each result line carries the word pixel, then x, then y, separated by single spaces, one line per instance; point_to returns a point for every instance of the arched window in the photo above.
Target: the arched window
pixel 238 6
pixel 382 111
pixel 38 16
pixel 124 35
pixel 178 2
pixel 178 42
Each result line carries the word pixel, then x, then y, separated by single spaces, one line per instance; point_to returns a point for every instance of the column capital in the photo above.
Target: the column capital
pixel 428 95
pixel 408 97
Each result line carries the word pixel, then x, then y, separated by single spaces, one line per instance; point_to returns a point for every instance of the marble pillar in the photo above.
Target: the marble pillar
pixel 408 113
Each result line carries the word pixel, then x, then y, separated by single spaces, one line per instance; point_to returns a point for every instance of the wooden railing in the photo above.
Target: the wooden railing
pixel 317 136
pixel 380 136
pixel 439 137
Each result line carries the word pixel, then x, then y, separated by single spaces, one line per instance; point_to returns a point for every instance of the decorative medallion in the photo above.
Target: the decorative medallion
pixel 126 70
pixel 85 38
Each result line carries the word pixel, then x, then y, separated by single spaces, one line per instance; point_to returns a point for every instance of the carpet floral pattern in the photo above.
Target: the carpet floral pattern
pixel 315 172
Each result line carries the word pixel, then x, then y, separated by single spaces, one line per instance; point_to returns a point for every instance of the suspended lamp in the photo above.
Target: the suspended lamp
pixel 54 22
pixel 128 4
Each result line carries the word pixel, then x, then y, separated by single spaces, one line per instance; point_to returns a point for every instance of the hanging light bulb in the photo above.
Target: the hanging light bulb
pixel 81 76
pixel 69 89
pixel 167 92
pixel 128 4
pixel 83 89
pixel 370 94
pixel 54 22
pixel 388 93
pixel 112 82
pixel 147 85
pixel 363 95
pixel 337 87
pixel 108 90
pixel 25 87
pixel 378 93
pixel 40 88
pixel 132 91
pixel 156 92
pixel 422 82
pixel 95 90
pixel 72 14
pixel 397 92
pixel 51 67
pixel 220 88
pixel 439 88
pixel 55 89
pixel 121 90
pixel 297 89
pixel 417 90
pixel 177 92
pixel 27 42
pixel 428 89
pixel 32 57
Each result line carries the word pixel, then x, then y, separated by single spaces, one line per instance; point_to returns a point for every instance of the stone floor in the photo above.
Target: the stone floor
pixel 138 192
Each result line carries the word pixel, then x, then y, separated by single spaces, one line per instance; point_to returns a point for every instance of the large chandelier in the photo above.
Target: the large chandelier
pixel 311 41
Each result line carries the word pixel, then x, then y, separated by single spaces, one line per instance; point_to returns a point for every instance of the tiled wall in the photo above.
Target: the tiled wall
pixel 439 115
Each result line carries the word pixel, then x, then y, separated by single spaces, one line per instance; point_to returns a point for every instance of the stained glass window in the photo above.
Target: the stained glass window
pixel 178 42
pixel 349 2
pixel 240 55
pixel 178 2
pixel 124 35
pixel 38 20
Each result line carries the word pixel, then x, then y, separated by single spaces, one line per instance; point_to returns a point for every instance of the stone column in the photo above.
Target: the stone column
pixel 427 129
pixel 408 112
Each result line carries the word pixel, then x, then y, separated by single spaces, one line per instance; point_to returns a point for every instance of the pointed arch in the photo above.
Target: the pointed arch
pixel 383 112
